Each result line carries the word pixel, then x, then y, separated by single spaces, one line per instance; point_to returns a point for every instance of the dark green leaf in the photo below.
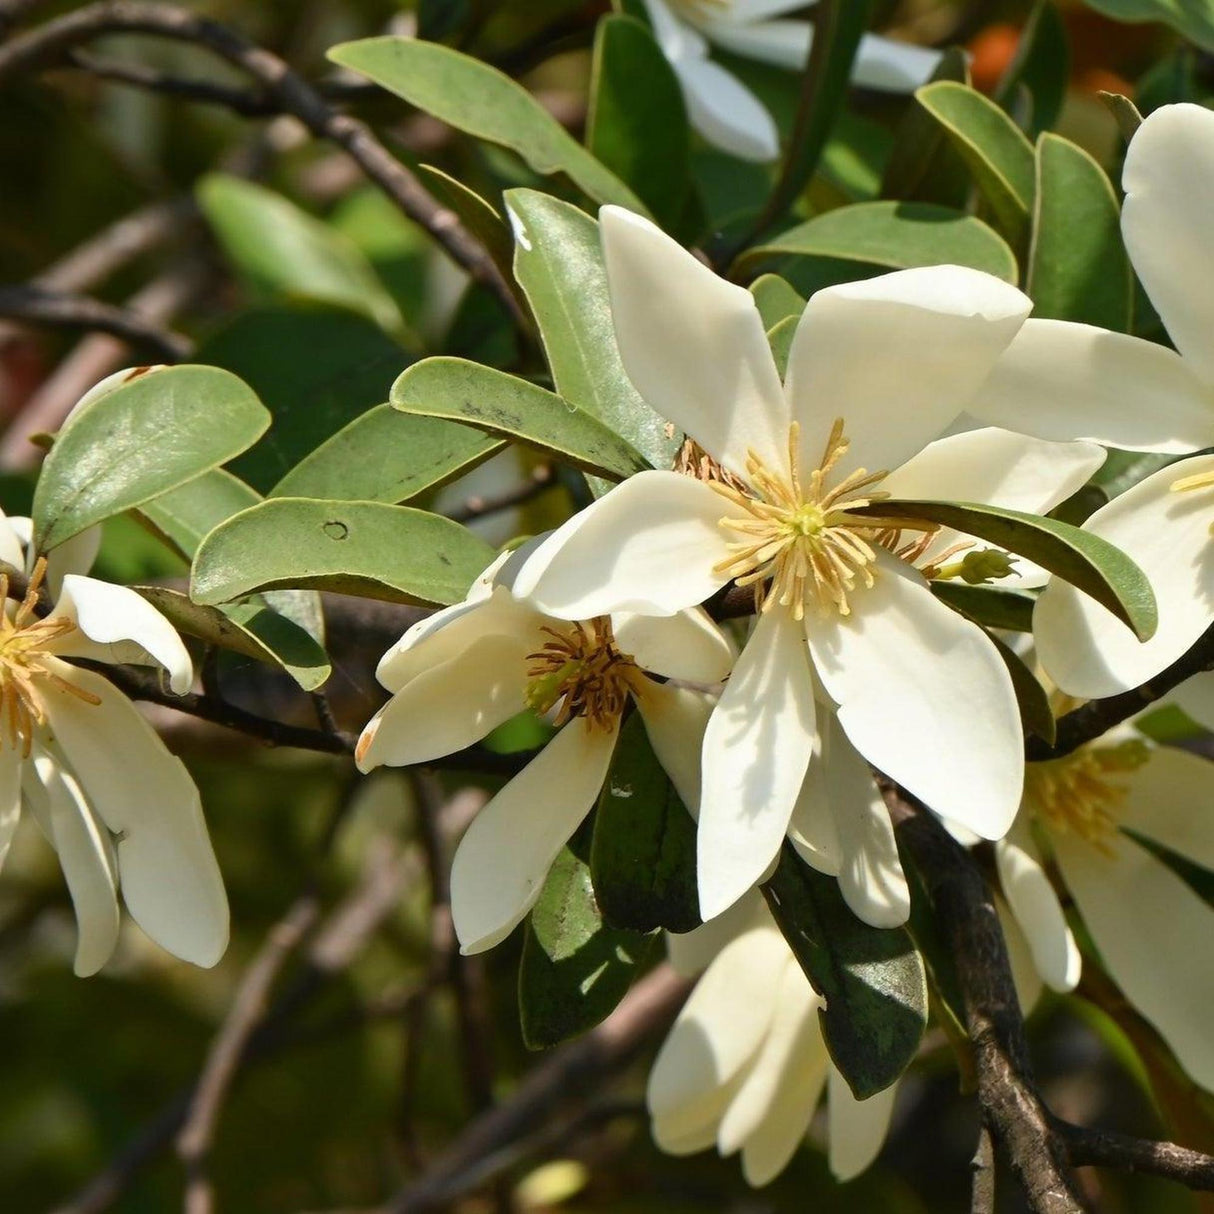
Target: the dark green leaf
pixel 365 548
pixel 776 299
pixel 643 855
pixel 154 432
pixel 989 605
pixel 872 979
pixel 504 405
pixel 1041 68
pixel 575 968
pixel 1078 269
pixel 1192 18
pixel 474 97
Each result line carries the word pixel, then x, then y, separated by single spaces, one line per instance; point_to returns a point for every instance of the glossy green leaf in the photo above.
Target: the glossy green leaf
pixel 1041 69
pixel 387 456
pixel 872 978
pixel 474 97
pixel 1078 268
pixel 559 262
pixel 281 250
pixel 364 548
pixel 184 516
pixel 780 338
pixel 1192 18
pixel 643 853
pixel 575 968
pixel 995 150
pixel 637 124
pixel 153 433
pixel 1085 560
pixel 505 405
pixel 776 299
pixel 989 606
pixel 892 236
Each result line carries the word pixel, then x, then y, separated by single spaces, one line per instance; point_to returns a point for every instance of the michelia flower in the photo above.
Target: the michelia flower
pixel 877 369
pixel 719 105
pixel 1143 918
pixel 465 670
pixel 120 810
pixel 745 1065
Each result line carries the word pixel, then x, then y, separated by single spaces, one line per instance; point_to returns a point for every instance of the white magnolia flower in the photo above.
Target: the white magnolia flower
pixel 719 105
pixel 876 371
pixel 1086 809
pixel 463 671
pixel 120 810
pixel 745 1065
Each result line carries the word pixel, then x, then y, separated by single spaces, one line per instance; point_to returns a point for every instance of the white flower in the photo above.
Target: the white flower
pixel 745 1065
pixel 877 370
pixel 1145 921
pixel 719 105
pixel 467 669
pixel 120 810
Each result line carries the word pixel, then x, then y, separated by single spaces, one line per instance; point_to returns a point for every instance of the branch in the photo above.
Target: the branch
pixel 542 478
pixel 1105 1148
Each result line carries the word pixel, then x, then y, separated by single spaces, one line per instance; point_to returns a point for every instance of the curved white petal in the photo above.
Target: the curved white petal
pixel 692 343
pixel 812 829
pixel 692 952
pixel 651 545
pixel 114 624
pixel 756 751
pixel 10 796
pixel 1196 697
pixel 1149 927
pixel 893 66
pixel 687 646
pixel 450 705
pixel 1020 957
pixel 1168 799
pixel 924 696
pixel 897 357
pixel 1168 224
pixel 1035 905
pixel 503 858
pixel 781 43
pixel 725 112
pixel 675 720
pixel 1083 647
pixel 744 12
pixel 73 556
pixel 170 881
pixel 676 37
pixel 12 542
pixel 1061 380
pixel 856 1129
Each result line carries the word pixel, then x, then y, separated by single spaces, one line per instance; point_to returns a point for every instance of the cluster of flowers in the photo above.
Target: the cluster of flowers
pixel 930 382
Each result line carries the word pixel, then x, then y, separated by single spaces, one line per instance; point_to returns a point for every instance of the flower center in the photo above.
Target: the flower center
pixel 1080 793
pixel 800 540
pixel 581 669
pixel 24 662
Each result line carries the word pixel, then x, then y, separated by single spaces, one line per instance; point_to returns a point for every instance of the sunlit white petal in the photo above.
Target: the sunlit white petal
pixel 855 1128
pixel 687 646
pixel 675 720
pixel 1170 799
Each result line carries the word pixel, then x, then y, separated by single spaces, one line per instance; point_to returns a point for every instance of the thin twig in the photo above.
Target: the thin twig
pixel 982 1167
pixel 543 478
pixel 1108 1149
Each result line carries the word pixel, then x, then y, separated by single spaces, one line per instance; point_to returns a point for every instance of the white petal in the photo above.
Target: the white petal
pixel 1020 957
pixel 115 625
pixel 167 871
pixel 856 1129
pixel 676 38
pixel 725 112
pixel 692 952
pixel 85 854
pixel 73 556
pixel 1036 907
pixel 650 545
pixel 893 66
pixel 1084 648
pixel 1060 380
pixel 10 797
pixel 1149 927
pixel 897 357
pixel 756 750
pixel 675 720
pixel 1168 800
pixel 692 343
pixel 1168 224
pixel 12 545
pixel 687 646
pixel 743 12
pixel 503 858
pixel 812 829
pixel 1196 697
pixel 781 43
pixel 924 696
pixel 451 705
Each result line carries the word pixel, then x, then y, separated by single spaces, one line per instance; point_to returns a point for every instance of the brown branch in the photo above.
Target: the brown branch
pixel 1108 1149
pixel 543 478
pixel 52 45
pixel 982 1198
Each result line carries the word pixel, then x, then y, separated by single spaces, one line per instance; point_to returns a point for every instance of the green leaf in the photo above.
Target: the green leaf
pixel 316 369
pixel 892 236
pixel 1078 268
pixel 502 404
pixel 387 456
pixel 637 124
pixel 559 262
pixel 988 605
pixel 780 338
pixel 154 432
pixel 643 853
pixel 872 979
pixel 365 548
pixel 776 300
pixel 1036 715
pixel 252 629
pixel 282 250
pixel 183 516
pixel 995 150
pixel 1041 68
pixel 1192 18
pixel 575 968
pixel 474 97
pixel 1085 560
